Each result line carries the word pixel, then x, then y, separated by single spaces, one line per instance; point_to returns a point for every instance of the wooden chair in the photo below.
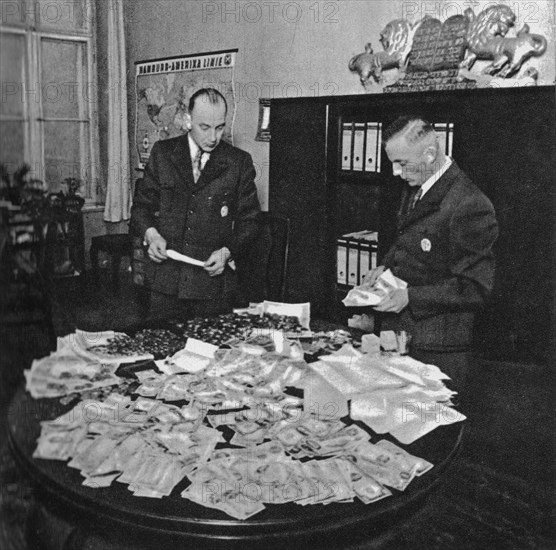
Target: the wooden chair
pixel 262 273
pixel 117 246
pixel 26 297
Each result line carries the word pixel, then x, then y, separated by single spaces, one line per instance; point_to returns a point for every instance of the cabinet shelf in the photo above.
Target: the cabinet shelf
pixel 501 140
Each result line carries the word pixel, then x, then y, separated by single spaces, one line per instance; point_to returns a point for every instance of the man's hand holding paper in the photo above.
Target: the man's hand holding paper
pixel 381 290
pixel 156 244
pixel 394 301
pixel 217 262
pixel 371 277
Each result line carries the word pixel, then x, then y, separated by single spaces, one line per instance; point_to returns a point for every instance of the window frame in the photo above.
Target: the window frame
pixel 33 118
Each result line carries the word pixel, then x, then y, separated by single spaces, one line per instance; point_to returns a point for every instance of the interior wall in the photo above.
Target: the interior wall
pixel 291 48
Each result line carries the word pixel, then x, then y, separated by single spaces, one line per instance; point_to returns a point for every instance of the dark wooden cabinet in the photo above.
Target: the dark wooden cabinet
pixel 503 138
pixel 299 191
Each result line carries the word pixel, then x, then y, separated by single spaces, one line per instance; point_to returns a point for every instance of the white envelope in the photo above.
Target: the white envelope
pixel 173 255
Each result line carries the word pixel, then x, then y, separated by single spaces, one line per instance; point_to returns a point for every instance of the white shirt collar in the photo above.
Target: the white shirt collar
pixel 436 176
pixel 194 148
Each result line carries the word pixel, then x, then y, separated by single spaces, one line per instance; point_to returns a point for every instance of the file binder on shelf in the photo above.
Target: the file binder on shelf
pixel 342 262
pixel 361 145
pixel 346 145
pixel 356 255
pixel 358 144
pixel 372 146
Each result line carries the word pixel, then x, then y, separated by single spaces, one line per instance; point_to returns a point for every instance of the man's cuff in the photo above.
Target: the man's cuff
pixel 149 234
pixel 227 250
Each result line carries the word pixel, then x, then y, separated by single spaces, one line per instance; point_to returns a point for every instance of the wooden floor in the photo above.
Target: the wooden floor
pixel 498 495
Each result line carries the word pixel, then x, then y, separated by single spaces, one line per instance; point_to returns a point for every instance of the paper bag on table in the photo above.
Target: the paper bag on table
pixel 301 311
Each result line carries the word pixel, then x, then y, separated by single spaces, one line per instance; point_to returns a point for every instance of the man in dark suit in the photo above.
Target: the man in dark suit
pixel 197 197
pixel 443 250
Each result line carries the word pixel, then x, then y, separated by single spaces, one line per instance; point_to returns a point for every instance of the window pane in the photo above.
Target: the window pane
pixel 12 55
pixel 66 153
pixel 68 16
pixel 12 144
pixel 62 79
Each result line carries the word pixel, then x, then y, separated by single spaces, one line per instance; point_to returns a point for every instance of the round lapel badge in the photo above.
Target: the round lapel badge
pixel 224 211
pixel 426 245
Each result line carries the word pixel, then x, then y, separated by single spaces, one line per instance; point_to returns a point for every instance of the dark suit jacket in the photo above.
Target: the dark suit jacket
pixel 444 252
pixel 196 218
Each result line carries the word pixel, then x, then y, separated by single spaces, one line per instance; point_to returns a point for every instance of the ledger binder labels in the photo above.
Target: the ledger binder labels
pixel 358 146
pixel 373 145
pixel 361 143
pixel 356 255
pixel 346 145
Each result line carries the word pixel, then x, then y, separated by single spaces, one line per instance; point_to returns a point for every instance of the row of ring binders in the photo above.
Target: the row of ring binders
pixel 356 255
pixel 362 142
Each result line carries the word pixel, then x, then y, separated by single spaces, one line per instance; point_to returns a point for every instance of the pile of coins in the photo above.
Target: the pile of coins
pixel 221 329
pixel 158 342
pixel 279 322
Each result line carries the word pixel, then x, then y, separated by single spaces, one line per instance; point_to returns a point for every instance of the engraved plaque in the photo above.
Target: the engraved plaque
pixel 433 63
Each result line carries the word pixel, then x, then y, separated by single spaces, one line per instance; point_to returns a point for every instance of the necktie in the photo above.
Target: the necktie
pixel 197 165
pixel 416 198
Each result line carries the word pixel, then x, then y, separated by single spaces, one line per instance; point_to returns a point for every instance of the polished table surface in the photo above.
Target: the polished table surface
pixel 148 523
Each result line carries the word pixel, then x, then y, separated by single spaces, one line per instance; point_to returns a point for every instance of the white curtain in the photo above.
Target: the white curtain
pixel 118 188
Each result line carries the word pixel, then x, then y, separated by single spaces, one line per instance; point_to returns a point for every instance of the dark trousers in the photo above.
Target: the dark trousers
pixel 165 307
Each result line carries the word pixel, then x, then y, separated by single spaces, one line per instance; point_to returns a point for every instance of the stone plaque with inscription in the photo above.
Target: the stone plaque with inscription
pixel 433 63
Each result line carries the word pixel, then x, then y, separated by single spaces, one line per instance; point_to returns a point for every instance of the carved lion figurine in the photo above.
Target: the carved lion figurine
pixel 486 39
pixel 396 39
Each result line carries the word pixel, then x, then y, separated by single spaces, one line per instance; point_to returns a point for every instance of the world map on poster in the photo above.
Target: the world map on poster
pixel 163 89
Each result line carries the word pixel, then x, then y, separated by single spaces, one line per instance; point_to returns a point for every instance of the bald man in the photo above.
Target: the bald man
pixel 446 231
pixel 197 197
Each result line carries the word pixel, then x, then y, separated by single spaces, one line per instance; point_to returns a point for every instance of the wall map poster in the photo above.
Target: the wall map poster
pixel 163 88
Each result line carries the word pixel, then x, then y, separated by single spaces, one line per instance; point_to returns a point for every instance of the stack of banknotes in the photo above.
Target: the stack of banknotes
pixel 65 371
pixel 153 446
pixel 231 430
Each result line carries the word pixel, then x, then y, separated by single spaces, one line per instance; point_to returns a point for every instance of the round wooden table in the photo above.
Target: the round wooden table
pixel 71 515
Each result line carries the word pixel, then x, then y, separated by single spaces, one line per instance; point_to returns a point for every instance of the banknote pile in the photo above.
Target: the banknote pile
pixel 325 342
pixel 145 443
pixel 65 372
pixel 153 446
pixel 232 379
pixel 240 481
pixel 239 428
pixel 301 434
pixel 87 361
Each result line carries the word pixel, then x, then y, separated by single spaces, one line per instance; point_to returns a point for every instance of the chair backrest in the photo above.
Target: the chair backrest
pixel 263 272
pixel 138 261
pixel 277 267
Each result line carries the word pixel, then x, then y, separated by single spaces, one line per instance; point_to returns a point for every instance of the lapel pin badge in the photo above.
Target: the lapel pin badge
pixel 426 245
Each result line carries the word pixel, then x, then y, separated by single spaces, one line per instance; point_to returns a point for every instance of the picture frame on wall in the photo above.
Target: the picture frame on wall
pixel 263 127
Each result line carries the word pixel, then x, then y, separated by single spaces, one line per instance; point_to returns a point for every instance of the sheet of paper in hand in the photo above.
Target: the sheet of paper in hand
pixel 366 295
pixel 173 255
